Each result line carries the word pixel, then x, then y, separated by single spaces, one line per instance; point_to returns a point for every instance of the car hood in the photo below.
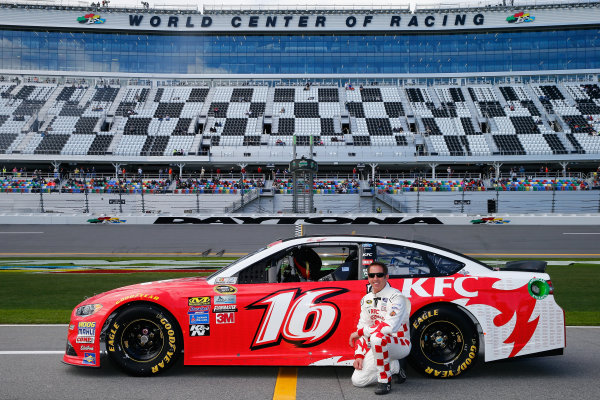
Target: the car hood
pixel 153 287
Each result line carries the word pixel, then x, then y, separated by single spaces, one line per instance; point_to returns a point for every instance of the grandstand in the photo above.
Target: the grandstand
pixel 397 89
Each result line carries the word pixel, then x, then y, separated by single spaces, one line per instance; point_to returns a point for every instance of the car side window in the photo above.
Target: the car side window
pixel 406 261
pixel 304 263
pixel 444 265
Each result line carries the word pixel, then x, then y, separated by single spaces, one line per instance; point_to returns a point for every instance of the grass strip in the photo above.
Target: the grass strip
pixel 27 297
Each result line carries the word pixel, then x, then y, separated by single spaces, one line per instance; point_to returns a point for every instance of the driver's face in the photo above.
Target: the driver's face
pixel 377 283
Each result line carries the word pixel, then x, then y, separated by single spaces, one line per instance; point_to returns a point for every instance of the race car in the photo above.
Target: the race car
pixel 296 301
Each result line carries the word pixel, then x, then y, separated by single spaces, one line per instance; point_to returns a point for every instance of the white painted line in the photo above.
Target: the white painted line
pixel 581 233
pixel 32 325
pixel 32 353
pixel 14 233
pixel 584 327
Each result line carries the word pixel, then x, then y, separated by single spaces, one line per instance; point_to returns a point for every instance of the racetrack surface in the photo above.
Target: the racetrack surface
pixel 236 240
pixel 43 376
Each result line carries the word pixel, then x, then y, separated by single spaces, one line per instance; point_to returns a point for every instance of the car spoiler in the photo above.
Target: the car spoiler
pixel 526 266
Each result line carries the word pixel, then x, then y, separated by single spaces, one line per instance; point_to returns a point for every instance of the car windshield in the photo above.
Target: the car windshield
pixel 236 262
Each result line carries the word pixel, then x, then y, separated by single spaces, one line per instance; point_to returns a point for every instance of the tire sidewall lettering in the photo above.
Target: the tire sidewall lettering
pixel 167 351
pixel 463 329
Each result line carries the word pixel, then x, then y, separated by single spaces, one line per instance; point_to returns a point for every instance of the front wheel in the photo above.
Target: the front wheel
pixel 143 340
pixel 445 342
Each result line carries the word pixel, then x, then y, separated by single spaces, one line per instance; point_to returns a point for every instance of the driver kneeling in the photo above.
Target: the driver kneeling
pixel 382 337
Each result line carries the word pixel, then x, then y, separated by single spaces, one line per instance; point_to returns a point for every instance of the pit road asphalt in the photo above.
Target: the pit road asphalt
pixel 43 376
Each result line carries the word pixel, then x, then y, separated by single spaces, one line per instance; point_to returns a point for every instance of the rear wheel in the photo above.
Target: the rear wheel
pixel 445 342
pixel 143 340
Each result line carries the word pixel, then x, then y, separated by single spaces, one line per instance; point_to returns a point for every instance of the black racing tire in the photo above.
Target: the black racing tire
pixel 445 342
pixel 144 340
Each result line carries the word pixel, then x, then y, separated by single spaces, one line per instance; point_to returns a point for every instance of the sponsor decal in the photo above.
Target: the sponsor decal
pixel 86 329
pixel 367 262
pixel 303 318
pixel 85 339
pixel 199 301
pixel 137 296
pixel 199 309
pixel 91 348
pixel 89 359
pixel 490 221
pixel 91 19
pixel 228 279
pixel 225 318
pixel 227 299
pixel 304 220
pixel 367 245
pixel 199 330
pixel 224 289
pixel 71 327
pixel 520 17
pixel 199 318
pixel 227 308
pixel 106 220
pixel 369 301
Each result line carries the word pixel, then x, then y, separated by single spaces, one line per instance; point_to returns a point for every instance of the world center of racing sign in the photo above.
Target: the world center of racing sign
pixel 294 22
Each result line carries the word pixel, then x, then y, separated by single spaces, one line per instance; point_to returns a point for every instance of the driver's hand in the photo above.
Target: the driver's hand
pixel 358 364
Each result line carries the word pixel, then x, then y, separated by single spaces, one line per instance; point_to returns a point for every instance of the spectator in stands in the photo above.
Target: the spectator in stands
pixel 282 111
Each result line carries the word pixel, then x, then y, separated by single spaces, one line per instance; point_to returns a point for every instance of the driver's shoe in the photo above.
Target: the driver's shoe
pixel 383 388
pixel 400 377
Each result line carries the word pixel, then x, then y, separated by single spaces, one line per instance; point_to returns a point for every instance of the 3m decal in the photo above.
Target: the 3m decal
pixel 199 330
pixel 302 318
pixel 225 318
pixel 199 301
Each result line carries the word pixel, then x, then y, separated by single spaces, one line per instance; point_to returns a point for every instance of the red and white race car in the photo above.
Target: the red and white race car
pixel 296 301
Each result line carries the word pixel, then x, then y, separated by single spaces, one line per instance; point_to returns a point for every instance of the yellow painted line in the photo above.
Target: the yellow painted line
pixel 285 387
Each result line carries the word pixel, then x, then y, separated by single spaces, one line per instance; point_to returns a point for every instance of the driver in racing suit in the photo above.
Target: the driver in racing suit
pixel 382 337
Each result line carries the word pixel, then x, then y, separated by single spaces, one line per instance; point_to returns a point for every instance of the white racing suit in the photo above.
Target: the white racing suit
pixel 384 336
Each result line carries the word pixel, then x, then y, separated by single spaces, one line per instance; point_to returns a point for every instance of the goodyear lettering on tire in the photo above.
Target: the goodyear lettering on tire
pixel 172 347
